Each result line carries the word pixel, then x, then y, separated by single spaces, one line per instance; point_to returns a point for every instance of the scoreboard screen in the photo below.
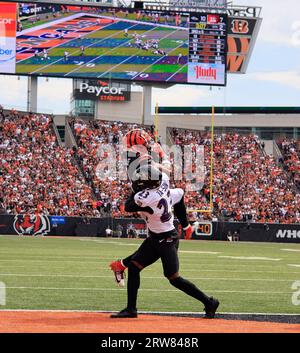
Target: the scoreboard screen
pixel 108 43
pixel 207 49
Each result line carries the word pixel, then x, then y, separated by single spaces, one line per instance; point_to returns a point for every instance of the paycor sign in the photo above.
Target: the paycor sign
pixel 97 90
pixel 8 37
pixel 103 91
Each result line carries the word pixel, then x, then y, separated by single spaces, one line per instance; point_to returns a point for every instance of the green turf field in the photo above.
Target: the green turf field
pixel 73 273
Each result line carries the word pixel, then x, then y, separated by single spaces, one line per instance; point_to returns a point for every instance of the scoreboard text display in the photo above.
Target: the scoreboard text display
pixel 207 49
pixel 121 44
pixel 203 228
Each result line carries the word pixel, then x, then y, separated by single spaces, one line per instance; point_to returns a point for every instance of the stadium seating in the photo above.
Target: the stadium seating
pixel 89 136
pixel 290 150
pixel 248 185
pixel 36 174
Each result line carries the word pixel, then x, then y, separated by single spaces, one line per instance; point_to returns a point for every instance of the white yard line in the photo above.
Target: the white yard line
pixel 110 50
pixel 46 263
pixel 199 252
pixel 55 46
pixel 149 277
pixel 199 264
pixel 292 250
pixel 155 62
pixel 154 290
pixel 96 30
pixel 52 261
pixel 134 56
pixel 176 72
pixel 250 258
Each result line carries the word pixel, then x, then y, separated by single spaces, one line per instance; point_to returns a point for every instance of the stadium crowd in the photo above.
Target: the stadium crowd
pixel 36 174
pixel 247 184
pixel 39 176
pixel 90 135
pixel 290 150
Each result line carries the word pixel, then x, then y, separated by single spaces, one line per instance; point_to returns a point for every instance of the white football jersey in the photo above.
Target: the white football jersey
pixel 160 200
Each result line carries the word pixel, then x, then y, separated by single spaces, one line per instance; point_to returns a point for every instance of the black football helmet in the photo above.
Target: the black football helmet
pixel 146 177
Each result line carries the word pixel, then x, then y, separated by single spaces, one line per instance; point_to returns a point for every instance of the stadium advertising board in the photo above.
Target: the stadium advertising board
pixel 30 9
pixel 102 90
pixel 242 32
pixel 8 25
pixel 39 224
pixel 119 44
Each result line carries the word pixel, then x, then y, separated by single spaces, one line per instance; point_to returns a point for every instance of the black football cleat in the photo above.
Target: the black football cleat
pixel 211 308
pixel 124 314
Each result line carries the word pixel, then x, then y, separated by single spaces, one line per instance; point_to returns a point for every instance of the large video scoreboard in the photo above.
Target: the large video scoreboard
pixel 104 43
pixel 207 48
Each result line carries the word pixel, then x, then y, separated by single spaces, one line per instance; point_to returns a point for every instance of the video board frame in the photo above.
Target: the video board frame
pixel 165 60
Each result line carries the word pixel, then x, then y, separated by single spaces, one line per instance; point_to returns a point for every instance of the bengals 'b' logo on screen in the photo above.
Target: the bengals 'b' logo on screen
pixel 31 225
pixel 240 26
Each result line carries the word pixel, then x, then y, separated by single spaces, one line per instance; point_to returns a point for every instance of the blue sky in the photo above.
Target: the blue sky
pixel 272 78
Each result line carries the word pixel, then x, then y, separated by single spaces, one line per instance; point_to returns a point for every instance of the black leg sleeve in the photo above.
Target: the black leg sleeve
pixel 190 289
pixel 133 285
pixel 127 260
pixel 180 213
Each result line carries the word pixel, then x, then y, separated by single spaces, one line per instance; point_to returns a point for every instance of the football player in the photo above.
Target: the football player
pixel 142 149
pixel 152 197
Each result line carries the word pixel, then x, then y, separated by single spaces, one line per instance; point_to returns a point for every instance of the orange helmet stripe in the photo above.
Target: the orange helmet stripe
pixel 137 137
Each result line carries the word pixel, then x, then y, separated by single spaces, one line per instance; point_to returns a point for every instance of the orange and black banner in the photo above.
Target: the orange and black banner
pixel 242 26
pixel 239 42
pixel 238 49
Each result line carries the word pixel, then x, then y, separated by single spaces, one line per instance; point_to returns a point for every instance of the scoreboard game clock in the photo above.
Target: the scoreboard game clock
pixel 207 49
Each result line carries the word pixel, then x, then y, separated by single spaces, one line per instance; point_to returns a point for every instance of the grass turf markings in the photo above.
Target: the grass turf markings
pixel 46 25
pixel 250 300
pixel 123 63
pixel 162 68
pixel 104 54
pixel 183 68
pixel 125 68
pixel 76 51
pixel 250 258
pixel 145 277
pixel 293 250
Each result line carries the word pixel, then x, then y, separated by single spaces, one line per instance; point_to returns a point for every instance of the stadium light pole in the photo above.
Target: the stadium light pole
pixel 32 88
pixel 147 101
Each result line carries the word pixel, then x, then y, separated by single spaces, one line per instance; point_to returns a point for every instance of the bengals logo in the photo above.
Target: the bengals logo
pixel 240 26
pixel 31 225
